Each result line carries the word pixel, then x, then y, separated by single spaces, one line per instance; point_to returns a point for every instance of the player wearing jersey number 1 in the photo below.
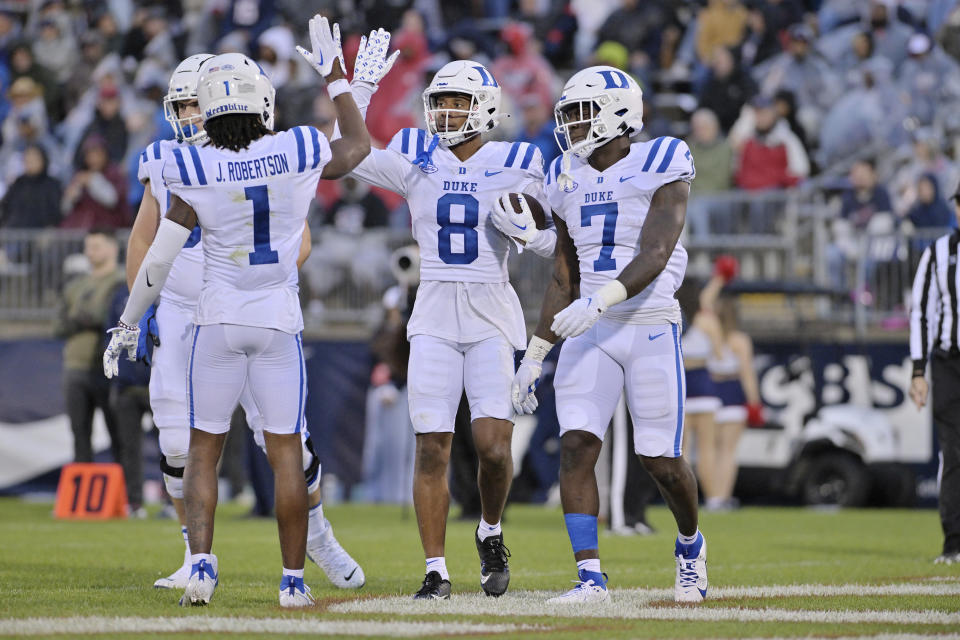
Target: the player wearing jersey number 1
pixel 250 191
pixel 466 322
pixel 619 208
pixel 174 316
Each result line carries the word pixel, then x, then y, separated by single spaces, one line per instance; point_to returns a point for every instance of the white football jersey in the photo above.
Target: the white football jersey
pixel 450 201
pixel 465 294
pixel 252 206
pixel 186 275
pixel 605 212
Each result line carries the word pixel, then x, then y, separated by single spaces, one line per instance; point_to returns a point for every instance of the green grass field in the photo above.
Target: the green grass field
pixel 773 573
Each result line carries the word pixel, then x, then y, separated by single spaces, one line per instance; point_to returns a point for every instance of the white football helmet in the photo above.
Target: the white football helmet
pixel 606 99
pixel 470 78
pixel 183 86
pixel 232 83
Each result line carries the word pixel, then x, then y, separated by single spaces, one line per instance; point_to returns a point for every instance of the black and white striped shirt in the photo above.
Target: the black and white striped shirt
pixel 934 314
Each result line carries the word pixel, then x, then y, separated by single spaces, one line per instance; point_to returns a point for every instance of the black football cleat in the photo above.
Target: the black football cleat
pixel 433 588
pixel 494 568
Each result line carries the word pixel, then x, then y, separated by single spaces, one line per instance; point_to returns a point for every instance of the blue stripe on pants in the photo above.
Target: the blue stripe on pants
pixel 678 436
pixel 302 386
pixel 193 351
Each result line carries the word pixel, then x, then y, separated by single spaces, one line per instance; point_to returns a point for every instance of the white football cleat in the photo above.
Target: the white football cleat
pixel 293 593
pixel 176 580
pixel 204 578
pixel 691 582
pixel 342 570
pixel 591 587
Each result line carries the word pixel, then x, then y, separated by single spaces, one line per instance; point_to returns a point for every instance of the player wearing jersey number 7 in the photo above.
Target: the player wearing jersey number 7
pixel 466 322
pixel 249 190
pixel 619 208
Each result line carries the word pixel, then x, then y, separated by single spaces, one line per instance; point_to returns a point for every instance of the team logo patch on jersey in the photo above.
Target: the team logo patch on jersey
pixel 570 187
pixel 428 168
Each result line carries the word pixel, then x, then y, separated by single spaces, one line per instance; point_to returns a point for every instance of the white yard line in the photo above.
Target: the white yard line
pixel 623 604
pixel 634 603
pixel 89 625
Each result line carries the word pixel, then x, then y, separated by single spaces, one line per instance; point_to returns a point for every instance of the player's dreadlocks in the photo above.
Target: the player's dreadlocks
pixel 235 131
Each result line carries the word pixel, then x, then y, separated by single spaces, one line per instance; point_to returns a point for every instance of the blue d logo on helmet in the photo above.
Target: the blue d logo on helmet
pixel 488 80
pixel 614 79
pixel 590 113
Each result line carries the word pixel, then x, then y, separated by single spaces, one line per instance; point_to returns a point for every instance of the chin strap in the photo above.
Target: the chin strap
pixel 425 159
pixel 565 180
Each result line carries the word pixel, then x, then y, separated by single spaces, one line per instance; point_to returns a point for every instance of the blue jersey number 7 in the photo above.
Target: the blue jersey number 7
pixel 262 253
pixel 608 210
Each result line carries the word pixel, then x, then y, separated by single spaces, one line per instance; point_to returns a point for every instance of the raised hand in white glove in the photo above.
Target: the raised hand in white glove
pixel 122 337
pixel 372 63
pixel 326 47
pixel 520 226
pixel 578 316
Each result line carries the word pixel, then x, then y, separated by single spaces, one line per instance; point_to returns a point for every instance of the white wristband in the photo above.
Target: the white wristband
pixel 338 88
pixel 612 293
pixel 538 349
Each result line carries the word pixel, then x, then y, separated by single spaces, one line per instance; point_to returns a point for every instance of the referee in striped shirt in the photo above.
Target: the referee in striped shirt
pixel 933 338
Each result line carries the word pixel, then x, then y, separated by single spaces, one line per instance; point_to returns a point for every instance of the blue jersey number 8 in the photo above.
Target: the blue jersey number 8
pixel 262 253
pixel 467 228
pixel 606 261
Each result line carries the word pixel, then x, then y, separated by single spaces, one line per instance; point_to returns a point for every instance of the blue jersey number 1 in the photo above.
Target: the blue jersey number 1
pixel 262 253
pixel 467 228
pixel 608 210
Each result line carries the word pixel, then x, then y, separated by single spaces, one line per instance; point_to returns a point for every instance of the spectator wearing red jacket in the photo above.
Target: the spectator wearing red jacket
pixel 772 157
pixel 522 72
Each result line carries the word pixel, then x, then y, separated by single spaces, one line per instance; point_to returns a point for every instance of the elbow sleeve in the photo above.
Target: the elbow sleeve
pixel 154 270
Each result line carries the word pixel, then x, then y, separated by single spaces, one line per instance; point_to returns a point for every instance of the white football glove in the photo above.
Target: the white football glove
pixel 372 62
pixel 326 46
pixel 122 338
pixel 580 315
pixel 525 382
pixel 519 226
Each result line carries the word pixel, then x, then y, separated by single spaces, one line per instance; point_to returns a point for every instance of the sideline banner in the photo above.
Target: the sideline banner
pixel 796 380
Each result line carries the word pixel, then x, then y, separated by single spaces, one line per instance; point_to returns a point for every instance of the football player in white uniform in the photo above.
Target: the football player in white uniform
pixel 467 321
pixel 619 208
pixel 175 315
pixel 249 190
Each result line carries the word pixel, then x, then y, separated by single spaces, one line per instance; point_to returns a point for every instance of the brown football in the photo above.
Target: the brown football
pixel 539 217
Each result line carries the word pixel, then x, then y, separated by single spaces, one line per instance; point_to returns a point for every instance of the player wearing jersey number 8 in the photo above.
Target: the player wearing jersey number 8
pixel 466 322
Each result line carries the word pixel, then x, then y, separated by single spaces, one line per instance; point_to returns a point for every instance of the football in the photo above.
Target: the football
pixel 539 217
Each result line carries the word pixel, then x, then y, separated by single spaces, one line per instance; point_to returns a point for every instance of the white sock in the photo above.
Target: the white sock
pixel 186 543
pixel 439 565
pixel 485 530
pixel 197 557
pixel 296 573
pixel 590 564
pixel 317 525
pixel 688 539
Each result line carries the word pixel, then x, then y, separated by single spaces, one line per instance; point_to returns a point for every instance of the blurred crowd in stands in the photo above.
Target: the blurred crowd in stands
pixel 856 98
